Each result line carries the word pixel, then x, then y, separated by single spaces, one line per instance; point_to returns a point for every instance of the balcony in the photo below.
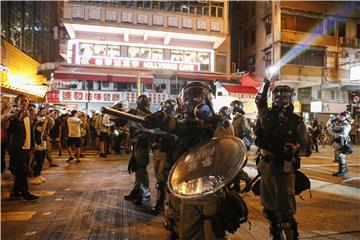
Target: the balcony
pixel 306 76
pixel 303 38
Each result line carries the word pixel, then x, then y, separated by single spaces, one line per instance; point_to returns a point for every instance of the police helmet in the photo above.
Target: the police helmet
pixel 225 111
pixel 237 106
pixel 191 95
pixel 282 97
pixel 168 106
pixel 143 102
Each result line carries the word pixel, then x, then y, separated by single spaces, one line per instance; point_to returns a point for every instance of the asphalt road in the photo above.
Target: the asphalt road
pixel 85 201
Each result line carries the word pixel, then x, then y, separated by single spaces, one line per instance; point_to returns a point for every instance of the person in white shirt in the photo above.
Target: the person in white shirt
pixel 74 136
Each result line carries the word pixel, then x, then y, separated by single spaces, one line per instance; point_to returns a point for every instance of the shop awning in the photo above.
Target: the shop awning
pixel 240 89
pixel 111 74
pixel 203 76
pixel 248 80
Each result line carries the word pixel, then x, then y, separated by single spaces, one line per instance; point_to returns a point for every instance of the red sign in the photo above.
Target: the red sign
pixel 52 97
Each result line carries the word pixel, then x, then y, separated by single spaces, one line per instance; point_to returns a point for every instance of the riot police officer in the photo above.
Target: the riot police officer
pixel 195 123
pixel 339 128
pixel 280 158
pixel 140 157
pixel 162 144
pixel 240 123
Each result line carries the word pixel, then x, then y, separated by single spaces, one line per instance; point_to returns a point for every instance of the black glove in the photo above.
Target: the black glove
pixel 155 120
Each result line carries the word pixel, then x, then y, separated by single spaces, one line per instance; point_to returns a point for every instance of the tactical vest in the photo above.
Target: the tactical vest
pixel 272 132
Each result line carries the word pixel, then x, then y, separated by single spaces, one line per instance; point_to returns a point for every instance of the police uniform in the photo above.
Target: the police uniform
pixel 185 218
pixel 340 128
pixel 140 156
pixel 280 158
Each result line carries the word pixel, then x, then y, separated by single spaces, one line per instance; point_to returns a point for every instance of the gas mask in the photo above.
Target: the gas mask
pixel 194 100
pixel 282 97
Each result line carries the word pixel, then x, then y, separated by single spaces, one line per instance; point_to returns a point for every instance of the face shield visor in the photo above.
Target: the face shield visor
pixel 282 97
pixel 190 99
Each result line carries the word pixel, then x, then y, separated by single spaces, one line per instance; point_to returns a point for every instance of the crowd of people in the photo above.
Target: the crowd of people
pixel 30 135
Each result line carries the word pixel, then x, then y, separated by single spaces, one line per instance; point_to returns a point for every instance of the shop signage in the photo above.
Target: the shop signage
pixel 101 96
pixel 132 63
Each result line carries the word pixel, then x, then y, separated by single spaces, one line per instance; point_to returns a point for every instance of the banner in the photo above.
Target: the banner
pixel 102 96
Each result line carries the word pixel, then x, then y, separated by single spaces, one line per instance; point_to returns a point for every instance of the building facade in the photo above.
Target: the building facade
pixel 27 40
pixel 313 45
pixel 116 50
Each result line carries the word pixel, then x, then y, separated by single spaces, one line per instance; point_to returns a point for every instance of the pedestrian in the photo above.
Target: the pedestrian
pixel 315 130
pixel 40 148
pixel 282 137
pixel 55 133
pixel 103 126
pixel 19 133
pixel 74 136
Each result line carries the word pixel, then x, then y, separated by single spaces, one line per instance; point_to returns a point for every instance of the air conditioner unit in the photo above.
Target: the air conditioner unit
pixel 341 40
pixel 343 55
pixel 357 42
pixel 267 57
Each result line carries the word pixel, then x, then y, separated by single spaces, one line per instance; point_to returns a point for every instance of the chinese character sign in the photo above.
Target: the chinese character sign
pixel 99 96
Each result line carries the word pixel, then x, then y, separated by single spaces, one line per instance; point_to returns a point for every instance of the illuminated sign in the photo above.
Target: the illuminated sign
pixel 355 73
pixel 135 63
pixel 102 96
pixel 316 106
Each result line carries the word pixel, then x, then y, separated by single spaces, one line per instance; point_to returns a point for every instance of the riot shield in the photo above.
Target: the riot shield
pixel 207 167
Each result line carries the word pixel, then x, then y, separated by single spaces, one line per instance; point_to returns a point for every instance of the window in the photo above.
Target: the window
pixel 177 55
pixel 145 53
pixel 268 26
pixel 170 6
pixel 221 63
pixel 204 57
pixel 301 23
pixel 304 93
pixel 330 27
pixel 307 57
pixel 190 56
pixel 157 54
pixel 113 51
pixel 178 6
pixel 358 31
pixel 251 63
pixel 134 52
pixel 99 50
pixel 341 29
pixel 122 86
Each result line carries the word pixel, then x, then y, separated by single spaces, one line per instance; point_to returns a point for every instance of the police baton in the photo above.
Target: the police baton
pixel 122 114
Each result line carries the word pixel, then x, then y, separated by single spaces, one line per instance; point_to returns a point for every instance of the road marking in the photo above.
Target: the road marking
pixel 350 179
pixel 334 188
pixel 16 216
pixel 328 165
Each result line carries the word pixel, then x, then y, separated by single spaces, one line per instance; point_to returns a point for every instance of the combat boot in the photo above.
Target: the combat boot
pixel 144 195
pixel 134 194
pixel 290 229
pixel 342 171
pixel 159 206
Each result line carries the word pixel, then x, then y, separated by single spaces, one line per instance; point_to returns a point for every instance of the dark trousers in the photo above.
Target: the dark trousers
pixel 39 158
pixel 18 167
